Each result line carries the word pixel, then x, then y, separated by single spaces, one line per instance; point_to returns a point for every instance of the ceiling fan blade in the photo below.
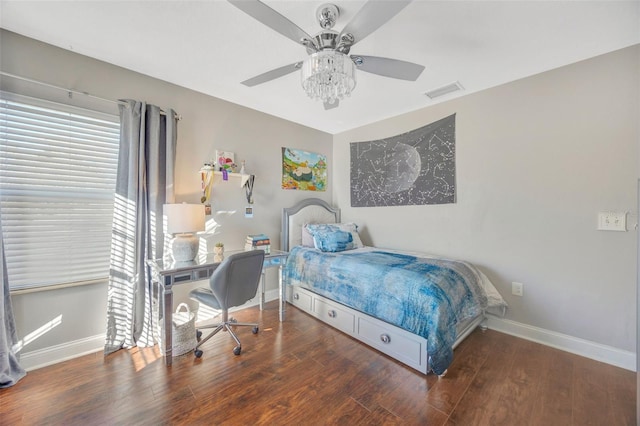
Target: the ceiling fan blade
pixel 333 105
pixel 272 75
pixel 372 16
pixel 388 67
pixel 271 19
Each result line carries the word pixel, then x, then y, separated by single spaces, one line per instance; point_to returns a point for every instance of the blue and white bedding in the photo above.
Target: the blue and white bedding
pixel 423 295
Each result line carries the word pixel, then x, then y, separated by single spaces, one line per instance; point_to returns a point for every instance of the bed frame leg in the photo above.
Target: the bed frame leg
pixel 483 325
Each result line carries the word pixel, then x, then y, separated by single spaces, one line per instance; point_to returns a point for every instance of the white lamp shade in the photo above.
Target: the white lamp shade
pixel 184 218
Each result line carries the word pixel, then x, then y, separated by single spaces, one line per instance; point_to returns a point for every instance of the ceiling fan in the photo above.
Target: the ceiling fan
pixel 328 74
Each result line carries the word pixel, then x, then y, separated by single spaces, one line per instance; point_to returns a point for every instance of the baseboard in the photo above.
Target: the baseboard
pixel 63 352
pixel 74 349
pixel 607 354
pixel 269 295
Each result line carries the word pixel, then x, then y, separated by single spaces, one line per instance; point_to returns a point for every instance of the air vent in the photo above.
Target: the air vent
pixel 440 91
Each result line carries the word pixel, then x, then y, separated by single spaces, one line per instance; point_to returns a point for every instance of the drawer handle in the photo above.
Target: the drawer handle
pixel 332 314
pixel 385 338
pixel 296 296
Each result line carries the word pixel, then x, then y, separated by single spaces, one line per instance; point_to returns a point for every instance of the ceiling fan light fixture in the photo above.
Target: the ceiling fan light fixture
pixel 328 75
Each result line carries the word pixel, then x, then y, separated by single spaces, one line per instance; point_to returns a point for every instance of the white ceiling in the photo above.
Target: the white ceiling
pixel 211 46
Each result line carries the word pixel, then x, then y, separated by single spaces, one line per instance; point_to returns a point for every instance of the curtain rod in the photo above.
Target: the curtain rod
pixel 70 91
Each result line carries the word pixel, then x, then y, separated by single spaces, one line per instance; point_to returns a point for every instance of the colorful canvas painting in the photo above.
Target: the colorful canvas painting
pixel 302 170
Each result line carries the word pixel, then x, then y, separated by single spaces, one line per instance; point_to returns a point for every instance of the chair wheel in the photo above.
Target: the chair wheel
pixel 237 350
pixel 233 319
pixel 254 330
pixel 198 335
pixel 198 353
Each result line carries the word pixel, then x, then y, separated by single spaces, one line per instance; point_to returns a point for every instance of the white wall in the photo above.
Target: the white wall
pixel 207 124
pixel 536 160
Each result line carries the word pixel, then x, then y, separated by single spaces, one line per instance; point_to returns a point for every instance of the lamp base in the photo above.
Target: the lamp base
pixel 184 247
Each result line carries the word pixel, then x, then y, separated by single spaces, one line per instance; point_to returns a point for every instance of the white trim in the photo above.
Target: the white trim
pixel 596 351
pixel 608 354
pixel 63 352
pixel 269 295
pixel 77 348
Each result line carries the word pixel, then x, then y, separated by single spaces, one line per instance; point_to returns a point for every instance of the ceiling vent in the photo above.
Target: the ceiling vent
pixel 441 91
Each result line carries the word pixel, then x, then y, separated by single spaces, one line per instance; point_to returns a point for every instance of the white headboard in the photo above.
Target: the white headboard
pixel 311 210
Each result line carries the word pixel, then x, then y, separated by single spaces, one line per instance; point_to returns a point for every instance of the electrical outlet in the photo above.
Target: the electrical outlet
pixel 517 289
pixel 612 221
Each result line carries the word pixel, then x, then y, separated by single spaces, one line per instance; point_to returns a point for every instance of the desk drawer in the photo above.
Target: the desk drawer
pixel 182 277
pixel 334 315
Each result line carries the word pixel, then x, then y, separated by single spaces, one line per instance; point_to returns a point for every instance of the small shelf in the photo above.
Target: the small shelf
pixel 243 177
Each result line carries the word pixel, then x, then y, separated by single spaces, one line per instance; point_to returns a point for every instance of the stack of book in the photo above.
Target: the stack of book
pixel 258 242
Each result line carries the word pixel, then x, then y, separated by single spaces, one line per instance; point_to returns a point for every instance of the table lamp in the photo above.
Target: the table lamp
pixel 184 221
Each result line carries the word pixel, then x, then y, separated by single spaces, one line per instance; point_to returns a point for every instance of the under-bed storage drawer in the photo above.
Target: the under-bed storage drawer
pixel 301 299
pixel 388 339
pixel 403 346
pixel 334 314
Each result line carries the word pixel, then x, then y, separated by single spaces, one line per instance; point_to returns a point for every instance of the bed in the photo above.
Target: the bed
pixel 412 307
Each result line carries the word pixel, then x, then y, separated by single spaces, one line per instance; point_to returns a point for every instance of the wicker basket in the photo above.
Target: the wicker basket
pixel 184 330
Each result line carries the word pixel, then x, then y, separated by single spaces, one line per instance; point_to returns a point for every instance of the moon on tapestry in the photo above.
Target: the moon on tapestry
pixel 414 168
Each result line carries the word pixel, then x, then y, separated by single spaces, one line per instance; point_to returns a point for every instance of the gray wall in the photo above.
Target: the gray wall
pixel 536 160
pixel 207 124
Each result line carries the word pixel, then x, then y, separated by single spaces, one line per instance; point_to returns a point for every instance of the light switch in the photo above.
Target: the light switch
pixel 612 221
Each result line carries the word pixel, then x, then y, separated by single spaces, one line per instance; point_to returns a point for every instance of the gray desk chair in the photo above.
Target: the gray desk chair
pixel 234 282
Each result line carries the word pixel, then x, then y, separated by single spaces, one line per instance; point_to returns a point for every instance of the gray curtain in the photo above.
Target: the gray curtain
pixel 144 183
pixel 10 370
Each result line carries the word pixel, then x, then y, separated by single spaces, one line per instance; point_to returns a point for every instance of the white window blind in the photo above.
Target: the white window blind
pixel 57 184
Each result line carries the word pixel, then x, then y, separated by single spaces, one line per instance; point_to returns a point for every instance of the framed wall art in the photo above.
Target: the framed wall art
pixel 302 170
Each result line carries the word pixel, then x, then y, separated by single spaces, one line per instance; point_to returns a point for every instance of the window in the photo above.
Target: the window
pixel 57 183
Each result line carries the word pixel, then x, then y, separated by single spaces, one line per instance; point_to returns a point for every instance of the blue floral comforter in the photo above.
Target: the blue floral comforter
pixel 426 296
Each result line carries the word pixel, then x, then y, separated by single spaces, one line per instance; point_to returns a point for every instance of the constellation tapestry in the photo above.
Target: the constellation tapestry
pixel 417 167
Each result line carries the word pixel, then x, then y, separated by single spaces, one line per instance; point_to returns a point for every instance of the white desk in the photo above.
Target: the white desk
pixel 167 273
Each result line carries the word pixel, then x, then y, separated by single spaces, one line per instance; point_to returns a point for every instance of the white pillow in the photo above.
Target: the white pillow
pixel 307 238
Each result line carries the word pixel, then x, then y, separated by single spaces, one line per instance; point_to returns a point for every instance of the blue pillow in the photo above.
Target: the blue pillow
pixel 334 237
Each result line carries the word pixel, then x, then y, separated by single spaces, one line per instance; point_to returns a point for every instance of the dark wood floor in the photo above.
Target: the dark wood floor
pixel 301 372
